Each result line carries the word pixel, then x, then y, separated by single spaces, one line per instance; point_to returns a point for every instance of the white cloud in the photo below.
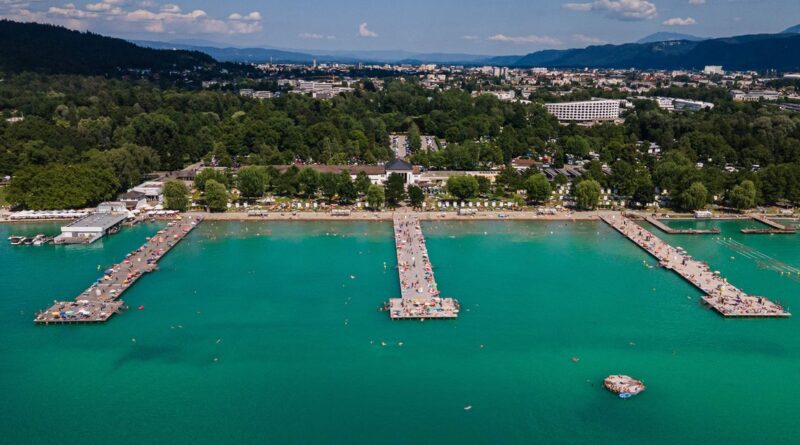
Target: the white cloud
pixel 252 17
pixel 578 6
pixel 531 39
pixel 363 31
pixel 170 8
pixel 314 36
pixel 132 16
pixel 618 9
pixel 677 21
pixel 589 40
pixel 69 10
pixel 471 38
pixel 697 2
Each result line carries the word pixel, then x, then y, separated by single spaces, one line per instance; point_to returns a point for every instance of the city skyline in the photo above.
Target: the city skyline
pixel 515 27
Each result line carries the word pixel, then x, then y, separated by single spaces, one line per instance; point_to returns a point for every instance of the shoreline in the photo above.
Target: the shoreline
pixel 387 215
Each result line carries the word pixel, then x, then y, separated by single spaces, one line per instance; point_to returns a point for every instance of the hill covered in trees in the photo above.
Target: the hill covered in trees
pixel 54 49
pixel 750 52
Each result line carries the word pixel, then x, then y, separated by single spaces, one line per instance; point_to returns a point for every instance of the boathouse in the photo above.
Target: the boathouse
pixel 107 218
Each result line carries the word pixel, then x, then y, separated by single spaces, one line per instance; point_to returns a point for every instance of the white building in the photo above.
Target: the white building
pixel 691 105
pixel 713 69
pixel 590 110
pixel 152 190
pixel 754 96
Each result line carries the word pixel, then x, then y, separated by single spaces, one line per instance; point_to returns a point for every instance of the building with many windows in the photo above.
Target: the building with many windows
pixel 586 111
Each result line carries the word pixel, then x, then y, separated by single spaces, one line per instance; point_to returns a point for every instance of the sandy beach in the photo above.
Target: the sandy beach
pixel 388 215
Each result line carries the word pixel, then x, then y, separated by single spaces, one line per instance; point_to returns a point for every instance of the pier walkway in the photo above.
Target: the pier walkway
pixel 775 227
pixel 719 294
pixel 667 229
pixel 419 294
pixel 102 299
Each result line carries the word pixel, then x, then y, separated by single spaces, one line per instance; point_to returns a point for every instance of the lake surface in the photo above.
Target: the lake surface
pixel 270 333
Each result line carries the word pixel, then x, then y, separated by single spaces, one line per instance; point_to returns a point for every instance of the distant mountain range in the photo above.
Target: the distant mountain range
pixel 668 37
pixel 749 52
pixel 662 50
pixel 225 53
pixel 53 49
pixel 792 30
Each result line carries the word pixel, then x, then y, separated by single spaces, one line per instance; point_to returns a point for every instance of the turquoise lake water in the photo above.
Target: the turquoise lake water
pixel 257 333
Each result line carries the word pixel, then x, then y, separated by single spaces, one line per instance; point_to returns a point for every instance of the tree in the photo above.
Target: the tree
pixel 216 196
pixel 329 185
pixel 462 186
pixel 538 188
pixel 159 132
pixel 176 195
pixel 587 194
pixel 743 196
pixel 414 141
pixel 308 180
pixel 416 196
pixel 346 189
pixel 375 197
pixel 395 189
pixel 695 197
pixel 56 186
pixel 252 181
pixel 363 182
pixel 644 192
pixel 484 185
pixel 207 174
pixel 507 181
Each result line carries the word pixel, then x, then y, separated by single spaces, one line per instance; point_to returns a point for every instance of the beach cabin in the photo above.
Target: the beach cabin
pixel 702 214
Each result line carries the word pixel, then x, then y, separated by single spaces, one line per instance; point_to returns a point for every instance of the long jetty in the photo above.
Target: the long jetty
pixel 420 297
pixel 101 300
pixel 667 229
pixel 719 294
pixel 774 227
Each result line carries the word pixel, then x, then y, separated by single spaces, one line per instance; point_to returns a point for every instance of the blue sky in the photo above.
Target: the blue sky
pixel 470 26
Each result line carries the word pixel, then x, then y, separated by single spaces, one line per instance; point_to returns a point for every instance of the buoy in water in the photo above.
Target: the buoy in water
pixel 141 308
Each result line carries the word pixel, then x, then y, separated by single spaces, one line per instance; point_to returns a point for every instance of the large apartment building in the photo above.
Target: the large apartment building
pixel 585 111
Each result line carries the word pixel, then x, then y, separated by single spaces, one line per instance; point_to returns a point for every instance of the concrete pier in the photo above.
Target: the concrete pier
pixel 102 299
pixel 419 294
pixel 774 227
pixel 667 229
pixel 719 294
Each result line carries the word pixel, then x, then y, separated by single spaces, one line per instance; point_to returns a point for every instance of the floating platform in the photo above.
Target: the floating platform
pixel 101 300
pixel 775 228
pixel 719 294
pixel 420 297
pixel 623 385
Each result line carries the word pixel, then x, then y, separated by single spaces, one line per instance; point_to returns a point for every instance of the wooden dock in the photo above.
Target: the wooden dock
pixel 775 228
pixel 719 294
pixel 420 297
pixel 102 299
pixel 667 229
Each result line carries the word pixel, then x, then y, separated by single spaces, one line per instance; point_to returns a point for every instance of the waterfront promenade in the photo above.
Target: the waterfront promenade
pixel 102 299
pixel 420 296
pixel 719 294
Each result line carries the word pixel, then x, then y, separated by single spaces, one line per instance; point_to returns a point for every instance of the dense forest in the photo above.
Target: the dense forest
pixel 122 130
pixel 54 49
